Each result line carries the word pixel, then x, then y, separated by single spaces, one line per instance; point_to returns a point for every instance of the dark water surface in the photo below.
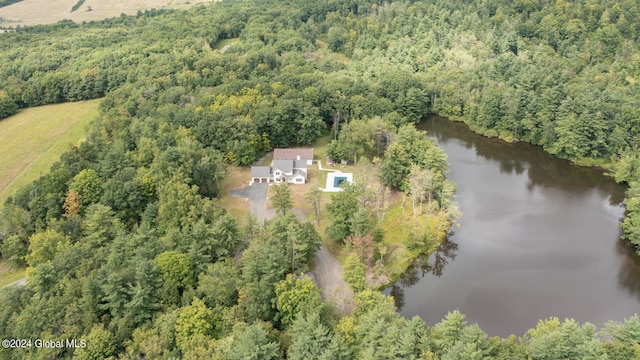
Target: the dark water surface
pixel 538 238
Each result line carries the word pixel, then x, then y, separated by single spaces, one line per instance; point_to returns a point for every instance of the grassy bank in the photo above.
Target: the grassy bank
pixel 408 237
pixel 10 274
pixel 32 140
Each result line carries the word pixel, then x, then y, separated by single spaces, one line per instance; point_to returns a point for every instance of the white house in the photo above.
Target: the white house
pixel 292 170
pixel 289 171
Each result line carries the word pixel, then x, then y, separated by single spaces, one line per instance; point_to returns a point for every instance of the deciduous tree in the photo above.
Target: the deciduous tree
pixel 44 246
pixel 195 319
pixel 295 296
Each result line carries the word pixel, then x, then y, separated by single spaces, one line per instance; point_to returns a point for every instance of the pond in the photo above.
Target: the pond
pixel 539 237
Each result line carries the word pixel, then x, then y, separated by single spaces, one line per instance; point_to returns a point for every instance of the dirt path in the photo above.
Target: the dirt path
pixel 328 273
pixel 225 48
pixel 326 268
pixel 21 282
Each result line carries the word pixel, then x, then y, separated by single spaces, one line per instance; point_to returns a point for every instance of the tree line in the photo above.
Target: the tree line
pixel 8 2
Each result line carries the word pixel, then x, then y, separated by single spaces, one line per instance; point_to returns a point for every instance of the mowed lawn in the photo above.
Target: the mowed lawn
pixel 36 12
pixel 32 140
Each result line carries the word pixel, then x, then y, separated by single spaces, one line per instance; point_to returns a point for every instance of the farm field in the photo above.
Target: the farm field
pixel 32 140
pixel 36 12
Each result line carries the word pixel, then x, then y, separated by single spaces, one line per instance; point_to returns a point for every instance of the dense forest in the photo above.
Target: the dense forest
pixel 125 240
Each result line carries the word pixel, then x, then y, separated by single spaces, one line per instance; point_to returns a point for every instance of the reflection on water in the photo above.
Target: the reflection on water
pixel 538 238
pixel 542 169
pixel 629 268
pixel 426 264
pixel 432 264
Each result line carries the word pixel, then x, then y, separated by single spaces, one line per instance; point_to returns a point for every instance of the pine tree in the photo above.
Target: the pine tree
pixel 281 199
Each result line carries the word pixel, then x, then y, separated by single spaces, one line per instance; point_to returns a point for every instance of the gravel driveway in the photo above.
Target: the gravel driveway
pixel 326 269
pixel 328 273
pixel 256 194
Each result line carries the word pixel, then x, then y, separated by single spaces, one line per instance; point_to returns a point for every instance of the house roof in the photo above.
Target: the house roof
pixel 293 153
pixel 260 171
pixel 300 172
pixel 300 164
pixel 284 165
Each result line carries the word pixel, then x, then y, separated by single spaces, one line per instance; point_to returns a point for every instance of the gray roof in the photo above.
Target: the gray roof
pixel 301 172
pixel 284 165
pixel 300 164
pixel 260 171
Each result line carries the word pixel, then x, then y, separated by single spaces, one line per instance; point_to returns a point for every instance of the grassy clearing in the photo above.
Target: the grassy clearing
pixel 32 140
pixel 9 274
pixel 238 178
pixel 320 148
pixel 407 236
pixel 226 43
pixel 324 51
pixel 299 194
pixel 266 161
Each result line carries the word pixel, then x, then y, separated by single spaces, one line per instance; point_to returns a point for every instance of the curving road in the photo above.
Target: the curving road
pixel 328 273
pixel 326 269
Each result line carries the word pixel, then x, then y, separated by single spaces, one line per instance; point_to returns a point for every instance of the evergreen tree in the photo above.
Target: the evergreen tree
pixel 281 199
pixel 311 339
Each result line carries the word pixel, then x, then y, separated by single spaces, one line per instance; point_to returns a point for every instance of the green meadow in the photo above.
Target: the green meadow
pixel 32 140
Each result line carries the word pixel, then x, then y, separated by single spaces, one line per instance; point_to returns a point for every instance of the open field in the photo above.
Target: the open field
pixel 10 274
pixel 238 178
pixel 32 140
pixel 36 12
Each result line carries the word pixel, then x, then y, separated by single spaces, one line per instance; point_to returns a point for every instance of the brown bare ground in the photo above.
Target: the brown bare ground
pixel 36 12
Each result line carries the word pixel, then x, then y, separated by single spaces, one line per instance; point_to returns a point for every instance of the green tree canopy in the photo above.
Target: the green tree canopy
pixel 281 199
pixel 44 246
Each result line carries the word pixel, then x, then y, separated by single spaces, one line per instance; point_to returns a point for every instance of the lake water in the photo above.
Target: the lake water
pixel 539 237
